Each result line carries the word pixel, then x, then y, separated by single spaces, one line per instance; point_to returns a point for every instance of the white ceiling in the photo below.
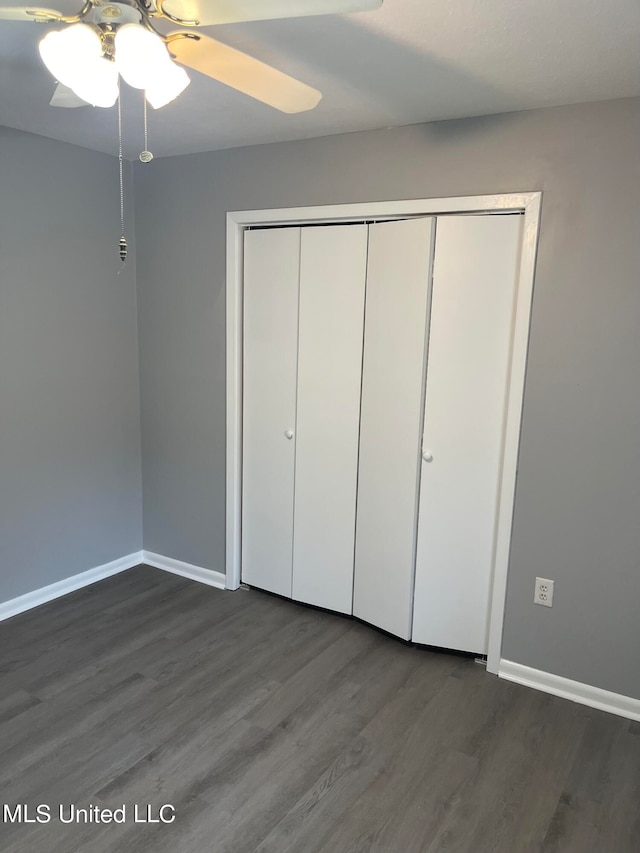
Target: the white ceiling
pixel 410 61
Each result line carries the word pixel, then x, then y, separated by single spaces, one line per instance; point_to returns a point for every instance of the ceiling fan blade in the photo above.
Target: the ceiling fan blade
pixel 209 12
pixel 244 73
pixel 63 96
pixel 28 13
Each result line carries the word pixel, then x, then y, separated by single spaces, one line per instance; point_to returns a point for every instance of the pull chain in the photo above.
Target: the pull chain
pixel 145 156
pixel 123 239
pixel 146 136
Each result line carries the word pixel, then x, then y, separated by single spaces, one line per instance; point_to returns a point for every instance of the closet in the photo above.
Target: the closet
pixel 376 364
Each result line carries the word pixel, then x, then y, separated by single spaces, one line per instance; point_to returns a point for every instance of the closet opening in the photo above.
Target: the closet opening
pixel 396 271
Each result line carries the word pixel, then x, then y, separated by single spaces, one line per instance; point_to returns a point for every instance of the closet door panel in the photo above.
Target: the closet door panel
pixel 271 268
pixel 332 287
pixel 474 286
pixel 398 281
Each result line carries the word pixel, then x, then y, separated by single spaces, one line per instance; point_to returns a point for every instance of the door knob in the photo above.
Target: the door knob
pixel 288 434
pixel 427 455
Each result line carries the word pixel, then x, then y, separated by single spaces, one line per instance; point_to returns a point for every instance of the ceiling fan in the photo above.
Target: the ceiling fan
pixel 105 40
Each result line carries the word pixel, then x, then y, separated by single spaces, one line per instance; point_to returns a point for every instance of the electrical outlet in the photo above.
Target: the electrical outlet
pixel 544 592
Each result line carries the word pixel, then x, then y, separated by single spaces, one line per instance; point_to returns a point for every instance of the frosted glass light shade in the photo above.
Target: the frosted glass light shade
pixel 66 53
pixel 99 84
pixel 168 82
pixel 138 54
pixel 74 57
pixel 144 62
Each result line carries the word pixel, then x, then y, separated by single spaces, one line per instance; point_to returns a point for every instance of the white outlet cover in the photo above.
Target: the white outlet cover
pixel 543 593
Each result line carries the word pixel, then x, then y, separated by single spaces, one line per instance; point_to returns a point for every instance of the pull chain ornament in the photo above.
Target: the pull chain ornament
pixel 122 243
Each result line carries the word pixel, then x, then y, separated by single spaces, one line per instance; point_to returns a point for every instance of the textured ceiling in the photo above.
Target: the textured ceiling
pixel 408 62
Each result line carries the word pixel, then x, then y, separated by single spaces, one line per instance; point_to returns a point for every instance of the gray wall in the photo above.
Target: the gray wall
pixel 578 497
pixel 70 477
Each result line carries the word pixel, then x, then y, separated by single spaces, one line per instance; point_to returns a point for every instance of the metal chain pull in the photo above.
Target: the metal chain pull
pixel 123 239
pixel 145 156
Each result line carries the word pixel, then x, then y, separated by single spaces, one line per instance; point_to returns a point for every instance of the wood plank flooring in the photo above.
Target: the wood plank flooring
pixel 274 728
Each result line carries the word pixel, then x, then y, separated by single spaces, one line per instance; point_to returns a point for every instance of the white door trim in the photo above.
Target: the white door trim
pixel 238 221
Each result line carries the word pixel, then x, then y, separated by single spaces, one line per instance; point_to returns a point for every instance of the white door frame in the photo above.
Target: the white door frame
pixel 238 221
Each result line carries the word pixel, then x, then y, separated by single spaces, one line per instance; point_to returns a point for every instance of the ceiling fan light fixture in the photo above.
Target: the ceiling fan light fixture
pixel 166 85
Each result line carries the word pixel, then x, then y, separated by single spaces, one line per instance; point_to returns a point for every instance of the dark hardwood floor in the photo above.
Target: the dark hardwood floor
pixel 279 729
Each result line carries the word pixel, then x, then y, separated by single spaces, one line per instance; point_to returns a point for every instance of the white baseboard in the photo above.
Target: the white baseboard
pixel 56 590
pixel 177 567
pixel 576 691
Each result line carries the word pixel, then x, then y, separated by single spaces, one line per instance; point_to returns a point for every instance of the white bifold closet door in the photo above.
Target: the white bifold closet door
pixel 303 326
pixel 333 267
pixel 398 280
pixel 393 405
pixel 270 355
pixel 469 356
